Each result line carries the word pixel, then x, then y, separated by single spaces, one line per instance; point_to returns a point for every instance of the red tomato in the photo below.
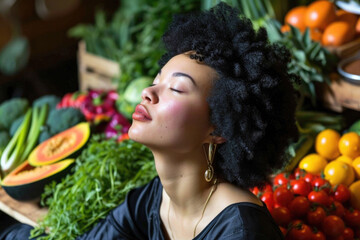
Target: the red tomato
pixel 266 188
pixel 299 232
pixel 309 177
pixel 321 184
pixel 299 206
pixel 300 187
pixel 299 173
pixel 333 226
pixel 283 196
pixel 255 191
pixel 348 234
pixel 283 230
pixel 337 209
pixel 315 216
pixel 268 199
pixel 319 197
pixel 341 193
pixel 281 215
pixel 352 218
pixel 318 236
pixel 281 179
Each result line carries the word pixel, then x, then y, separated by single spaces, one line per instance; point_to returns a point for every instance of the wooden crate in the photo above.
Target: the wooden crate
pixel 339 94
pixel 96 72
pixel 346 50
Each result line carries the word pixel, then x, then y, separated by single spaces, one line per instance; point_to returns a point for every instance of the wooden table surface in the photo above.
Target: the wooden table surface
pixel 25 212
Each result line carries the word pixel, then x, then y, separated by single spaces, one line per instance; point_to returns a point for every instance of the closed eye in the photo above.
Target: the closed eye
pixel 175 90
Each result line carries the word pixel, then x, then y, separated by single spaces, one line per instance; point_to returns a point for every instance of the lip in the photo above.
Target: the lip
pixel 141 114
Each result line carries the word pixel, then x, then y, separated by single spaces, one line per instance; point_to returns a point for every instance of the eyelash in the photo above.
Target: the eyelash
pixel 175 90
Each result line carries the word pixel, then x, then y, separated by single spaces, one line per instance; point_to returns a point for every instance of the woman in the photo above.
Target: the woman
pixel 217 118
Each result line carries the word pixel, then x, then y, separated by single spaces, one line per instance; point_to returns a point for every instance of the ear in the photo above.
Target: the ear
pixel 218 139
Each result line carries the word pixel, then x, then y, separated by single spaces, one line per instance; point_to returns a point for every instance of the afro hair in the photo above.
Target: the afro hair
pixel 252 103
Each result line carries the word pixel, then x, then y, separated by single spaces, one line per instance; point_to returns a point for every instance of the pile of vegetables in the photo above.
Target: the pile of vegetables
pixel 319 197
pixel 104 173
pixel 24 126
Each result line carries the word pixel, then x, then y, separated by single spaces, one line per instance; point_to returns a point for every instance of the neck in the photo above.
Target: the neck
pixel 182 177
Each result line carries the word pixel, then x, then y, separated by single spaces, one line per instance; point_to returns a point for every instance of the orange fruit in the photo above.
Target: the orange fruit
pixel 285 28
pixel 345 159
pixel 313 163
pixel 349 145
pixel 326 144
pixel 342 15
pixel 337 33
pixel 320 14
pixel 296 17
pixel 315 34
pixel 337 172
pixel 355 194
pixel 356 167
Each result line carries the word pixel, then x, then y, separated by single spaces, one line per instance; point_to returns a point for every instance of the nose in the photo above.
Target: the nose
pixel 149 95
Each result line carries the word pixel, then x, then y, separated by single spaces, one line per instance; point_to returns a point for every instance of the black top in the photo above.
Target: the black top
pixel 138 217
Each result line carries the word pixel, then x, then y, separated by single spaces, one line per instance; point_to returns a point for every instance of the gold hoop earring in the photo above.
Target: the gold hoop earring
pixel 209 173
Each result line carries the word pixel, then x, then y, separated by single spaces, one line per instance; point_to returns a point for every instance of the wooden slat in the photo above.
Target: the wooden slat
pixel 25 212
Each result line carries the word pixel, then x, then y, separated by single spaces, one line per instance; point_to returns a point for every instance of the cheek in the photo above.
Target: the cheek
pixel 185 115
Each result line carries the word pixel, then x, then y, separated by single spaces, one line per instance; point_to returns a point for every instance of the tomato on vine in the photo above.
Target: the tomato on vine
pixel 299 206
pixel 281 215
pixel 352 218
pixel 322 184
pixel 319 197
pixel 268 199
pixel 315 216
pixel 348 234
pixel 299 232
pixel 341 193
pixel 300 187
pixel 337 209
pixel 281 179
pixel 333 226
pixel 283 196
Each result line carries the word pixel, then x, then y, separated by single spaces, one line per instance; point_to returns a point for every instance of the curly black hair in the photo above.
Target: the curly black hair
pixel 252 103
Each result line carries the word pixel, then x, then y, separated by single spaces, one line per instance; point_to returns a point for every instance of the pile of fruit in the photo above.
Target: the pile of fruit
pixel 320 199
pixel 327 24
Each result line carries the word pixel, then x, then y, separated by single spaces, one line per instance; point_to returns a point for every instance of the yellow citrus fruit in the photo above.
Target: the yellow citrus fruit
pixel 349 144
pixel 337 172
pixel 326 144
pixel 356 167
pixel 313 163
pixel 345 159
pixel 355 194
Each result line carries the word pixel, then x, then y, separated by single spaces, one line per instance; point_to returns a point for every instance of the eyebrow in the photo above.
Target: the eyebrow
pixel 180 74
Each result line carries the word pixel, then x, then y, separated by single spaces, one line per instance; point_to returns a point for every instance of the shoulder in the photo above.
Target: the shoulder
pixel 245 220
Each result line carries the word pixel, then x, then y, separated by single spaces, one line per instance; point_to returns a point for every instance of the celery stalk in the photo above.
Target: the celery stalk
pixel 39 118
pixel 13 150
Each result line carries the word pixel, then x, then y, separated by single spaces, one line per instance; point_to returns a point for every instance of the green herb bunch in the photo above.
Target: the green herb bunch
pixel 104 173
pixel 310 61
pixel 132 37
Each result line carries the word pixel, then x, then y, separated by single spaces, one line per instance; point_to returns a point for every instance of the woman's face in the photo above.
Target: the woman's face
pixel 174 113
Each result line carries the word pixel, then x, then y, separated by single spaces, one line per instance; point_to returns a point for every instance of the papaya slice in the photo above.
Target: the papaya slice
pixel 63 145
pixel 27 182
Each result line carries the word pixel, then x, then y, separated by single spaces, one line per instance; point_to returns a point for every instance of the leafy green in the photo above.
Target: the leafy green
pixel 132 37
pixel 50 100
pixel 104 173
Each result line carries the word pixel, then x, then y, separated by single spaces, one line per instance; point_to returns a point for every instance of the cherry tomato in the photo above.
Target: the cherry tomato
pixel 333 226
pixel 341 193
pixel 268 199
pixel 318 235
pixel 299 173
pixel 352 218
pixel 321 184
pixel 255 191
pixel 281 179
pixel 300 187
pixel 348 234
pixel 299 232
pixel 319 197
pixel 283 196
pixel 281 215
pixel 337 209
pixel 266 188
pixel 299 206
pixel 309 177
pixel 315 216
pixel 283 230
